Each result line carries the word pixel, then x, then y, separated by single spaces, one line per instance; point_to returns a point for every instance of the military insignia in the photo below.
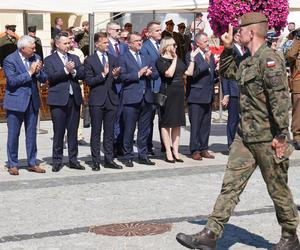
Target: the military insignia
pixel 270 63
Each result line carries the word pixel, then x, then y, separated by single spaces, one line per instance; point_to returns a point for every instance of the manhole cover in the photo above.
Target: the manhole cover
pixel 131 229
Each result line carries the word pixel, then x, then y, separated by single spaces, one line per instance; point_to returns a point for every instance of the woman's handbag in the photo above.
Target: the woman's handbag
pixel 159 99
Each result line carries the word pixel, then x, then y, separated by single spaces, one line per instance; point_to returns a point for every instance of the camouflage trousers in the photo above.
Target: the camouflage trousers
pixel 242 161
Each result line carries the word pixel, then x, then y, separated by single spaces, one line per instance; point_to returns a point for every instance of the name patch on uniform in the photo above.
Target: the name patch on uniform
pixel 270 63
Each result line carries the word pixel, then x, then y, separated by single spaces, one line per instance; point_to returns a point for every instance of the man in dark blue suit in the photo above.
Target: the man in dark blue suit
pixel 22 70
pixel 151 48
pixel 137 71
pixel 117 48
pixel 231 91
pixel 200 97
pixel 101 72
pixel 64 97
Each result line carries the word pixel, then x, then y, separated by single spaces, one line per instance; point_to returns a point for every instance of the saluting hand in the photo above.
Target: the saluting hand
pixel 227 37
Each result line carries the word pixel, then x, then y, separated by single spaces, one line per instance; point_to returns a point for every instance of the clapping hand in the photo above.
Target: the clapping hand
pixel 70 65
pixel 194 53
pixel 143 71
pixel 149 71
pixel 106 69
pixel 116 71
pixel 227 37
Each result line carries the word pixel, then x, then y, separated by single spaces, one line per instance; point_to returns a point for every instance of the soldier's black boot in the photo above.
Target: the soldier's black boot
pixel 291 243
pixel 204 240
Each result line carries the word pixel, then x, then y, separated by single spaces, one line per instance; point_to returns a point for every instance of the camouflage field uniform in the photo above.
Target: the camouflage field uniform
pixel 263 115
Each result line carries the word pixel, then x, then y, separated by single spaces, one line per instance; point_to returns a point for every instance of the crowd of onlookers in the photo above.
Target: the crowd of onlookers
pixel 131 77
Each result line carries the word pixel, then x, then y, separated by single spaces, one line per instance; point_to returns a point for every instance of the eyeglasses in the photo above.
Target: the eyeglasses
pixel 116 30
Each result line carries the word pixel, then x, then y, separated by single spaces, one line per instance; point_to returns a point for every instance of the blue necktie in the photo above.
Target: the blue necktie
pixel 138 59
pixel 103 59
pixel 65 59
pixel 27 64
pixel 157 45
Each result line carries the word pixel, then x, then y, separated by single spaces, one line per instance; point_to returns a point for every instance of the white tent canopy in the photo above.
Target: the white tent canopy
pixel 91 6
pixel 103 5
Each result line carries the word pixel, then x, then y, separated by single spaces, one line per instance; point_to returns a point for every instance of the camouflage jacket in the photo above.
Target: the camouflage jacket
pixel 293 57
pixel 264 96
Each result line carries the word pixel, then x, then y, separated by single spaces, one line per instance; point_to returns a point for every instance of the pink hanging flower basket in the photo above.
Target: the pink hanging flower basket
pixel 223 12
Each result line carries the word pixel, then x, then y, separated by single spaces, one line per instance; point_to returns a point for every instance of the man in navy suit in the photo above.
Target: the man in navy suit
pixel 22 70
pixel 151 48
pixel 200 97
pixel 64 70
pixel 137 71
pixel 231 91
pixel 101 72
pixel 117 48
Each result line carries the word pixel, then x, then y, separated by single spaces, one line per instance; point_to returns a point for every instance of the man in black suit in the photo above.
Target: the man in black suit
pixel 64 70
pixel 231 92
pixel 101 72
pixel 137 72
pixel 200 97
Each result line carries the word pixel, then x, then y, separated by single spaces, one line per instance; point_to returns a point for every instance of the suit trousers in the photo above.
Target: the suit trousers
pixel 105 114
pixel 140 113
pixel 119 125
pixel 14 123
pixel 233 118
pixel 243 160
pixel 200 120
pixel 65 117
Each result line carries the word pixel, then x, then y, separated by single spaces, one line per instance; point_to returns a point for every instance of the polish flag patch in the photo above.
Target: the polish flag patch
pixel 270 63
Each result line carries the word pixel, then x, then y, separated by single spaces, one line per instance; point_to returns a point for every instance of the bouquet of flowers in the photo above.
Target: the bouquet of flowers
pixel 223 12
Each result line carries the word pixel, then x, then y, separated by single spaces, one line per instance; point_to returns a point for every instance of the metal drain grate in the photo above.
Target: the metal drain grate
pixel 131 229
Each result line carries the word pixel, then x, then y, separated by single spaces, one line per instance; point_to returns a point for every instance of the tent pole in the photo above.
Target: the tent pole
pixel 153 14
pixel 25 22
pixel 91 32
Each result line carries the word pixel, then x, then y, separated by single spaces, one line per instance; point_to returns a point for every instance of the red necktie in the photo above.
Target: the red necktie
pixel 117 49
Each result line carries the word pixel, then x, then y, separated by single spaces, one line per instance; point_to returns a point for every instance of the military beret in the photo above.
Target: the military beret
pixel 170 22
pixel 11 27
pixel 181 25
pixel 252 18
pixel 31 28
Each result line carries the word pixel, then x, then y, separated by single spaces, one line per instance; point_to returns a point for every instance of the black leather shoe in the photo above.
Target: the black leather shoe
pixel 205 239
pixel 76 165
pixel 169 161
pixel 128 164
pixel 82 142
pixel 151 152
pixel 96 166
pixel 112 164
pixel 57 167
pixel 146 161
pixel 287 244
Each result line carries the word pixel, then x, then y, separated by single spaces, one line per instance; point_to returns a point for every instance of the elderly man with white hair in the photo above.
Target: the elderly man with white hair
pixel 23 70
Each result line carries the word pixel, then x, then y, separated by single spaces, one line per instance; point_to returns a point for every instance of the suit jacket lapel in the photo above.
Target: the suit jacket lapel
pixel 153 48
pixel 20 62
pixel 131 57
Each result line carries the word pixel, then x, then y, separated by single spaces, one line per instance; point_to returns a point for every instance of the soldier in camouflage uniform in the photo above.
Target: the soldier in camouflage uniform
pixel 8 42
pixel 82 38
pixel 261 138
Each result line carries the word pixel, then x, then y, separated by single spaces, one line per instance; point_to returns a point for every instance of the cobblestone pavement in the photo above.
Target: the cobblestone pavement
pixel 55 211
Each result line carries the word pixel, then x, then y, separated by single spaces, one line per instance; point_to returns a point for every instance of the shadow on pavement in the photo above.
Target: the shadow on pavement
pixel 233 234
